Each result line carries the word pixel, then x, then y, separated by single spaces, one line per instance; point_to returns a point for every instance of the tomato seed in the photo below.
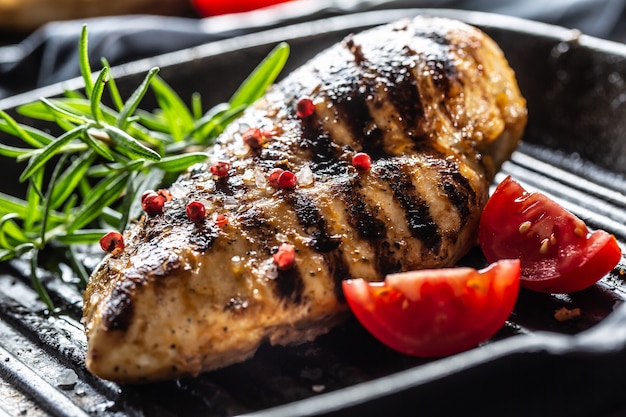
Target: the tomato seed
pixel 285 257
pixel 220 168
pixel 196 212
pixel 524 227
pixel 545 245
pixel 305 108
pixel 362 161
pixel 112 242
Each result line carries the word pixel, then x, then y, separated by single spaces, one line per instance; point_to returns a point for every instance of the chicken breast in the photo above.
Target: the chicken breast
pixel 433 103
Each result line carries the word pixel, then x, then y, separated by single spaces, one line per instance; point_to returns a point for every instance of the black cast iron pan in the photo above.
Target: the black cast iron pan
pixel 573 150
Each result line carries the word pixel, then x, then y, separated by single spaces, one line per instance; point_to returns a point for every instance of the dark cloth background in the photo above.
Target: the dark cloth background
pixel 50 54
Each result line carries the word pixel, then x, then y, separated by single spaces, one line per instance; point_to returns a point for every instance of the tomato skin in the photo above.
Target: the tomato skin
pixel 436 312
pixel 216 7
pixel 557 251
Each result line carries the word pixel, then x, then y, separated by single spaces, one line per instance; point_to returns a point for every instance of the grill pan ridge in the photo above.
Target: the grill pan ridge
pixel 572 151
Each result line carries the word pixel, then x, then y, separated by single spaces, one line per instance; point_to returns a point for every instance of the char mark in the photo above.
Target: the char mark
pixel 118 312
pixel 290 285
pixel 360 216
pixel 417 211
pixel 311 220
pixel 459 192
pixel 255 222
pixel 403 92
pixel 313 223
pixel 363 219
pixel 350 92
pixel 199 236
pixel 325 155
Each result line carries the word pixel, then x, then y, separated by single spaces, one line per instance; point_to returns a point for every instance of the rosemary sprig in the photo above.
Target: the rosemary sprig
pixel 82 182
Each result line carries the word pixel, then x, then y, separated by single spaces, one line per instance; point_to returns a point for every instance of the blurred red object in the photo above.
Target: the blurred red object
pixel 216 7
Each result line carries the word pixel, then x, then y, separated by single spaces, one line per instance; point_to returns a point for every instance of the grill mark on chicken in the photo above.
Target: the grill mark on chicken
pixel 363 219
pixel 459 192
pixel 350 104
pixel 118 312
pixel 420 222
pixel 313 222
pixel 119 309
pixel 290 285
pixel 255 222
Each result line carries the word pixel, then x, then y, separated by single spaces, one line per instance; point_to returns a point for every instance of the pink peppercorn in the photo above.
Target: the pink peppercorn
pixel 196 212
pixel 152 203
pixel 112 242
pixel 305 108
pixel 220 168
pixel 287 180
pixel 285 256
pixel 362 161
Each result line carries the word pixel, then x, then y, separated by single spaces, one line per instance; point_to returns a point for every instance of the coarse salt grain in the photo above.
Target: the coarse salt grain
pixel 259 178
pixel 305 176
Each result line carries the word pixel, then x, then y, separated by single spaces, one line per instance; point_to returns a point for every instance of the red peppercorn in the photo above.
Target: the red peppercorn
pixel 285 256
pixel 305 108
pixel 253 137
pixel 362 161
pixel 221 220
pixel 287 180
pixel 272 178
pixel 112 242
pixel 145 194
pixel 196 212
pixel 220 168
pixel 152 203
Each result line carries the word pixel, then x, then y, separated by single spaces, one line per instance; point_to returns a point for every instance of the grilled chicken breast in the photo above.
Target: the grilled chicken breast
pixel 434 104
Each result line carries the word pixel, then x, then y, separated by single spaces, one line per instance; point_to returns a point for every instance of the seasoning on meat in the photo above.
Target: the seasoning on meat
pixel 436 108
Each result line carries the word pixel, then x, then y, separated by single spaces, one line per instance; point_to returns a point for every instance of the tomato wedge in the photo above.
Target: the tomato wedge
pixel 436 312
pixel 558 253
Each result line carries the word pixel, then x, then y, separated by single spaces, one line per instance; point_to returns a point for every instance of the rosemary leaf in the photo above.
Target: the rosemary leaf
pixel 34 196
pixel 178 163
pixel 105 193
pixel 96 95
pixel 113 90
pixel 83 60
pixel 130 145
pixel 81 237
pixel 67 182
pixel 6 222
pixel 36 281
pixel 14 152
pixel 37 162
pixel 132 103
pixel 94 139
pixel 262 77
pixel 56 112
pixel 11 126
pixel 47 201
pixel 178 116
